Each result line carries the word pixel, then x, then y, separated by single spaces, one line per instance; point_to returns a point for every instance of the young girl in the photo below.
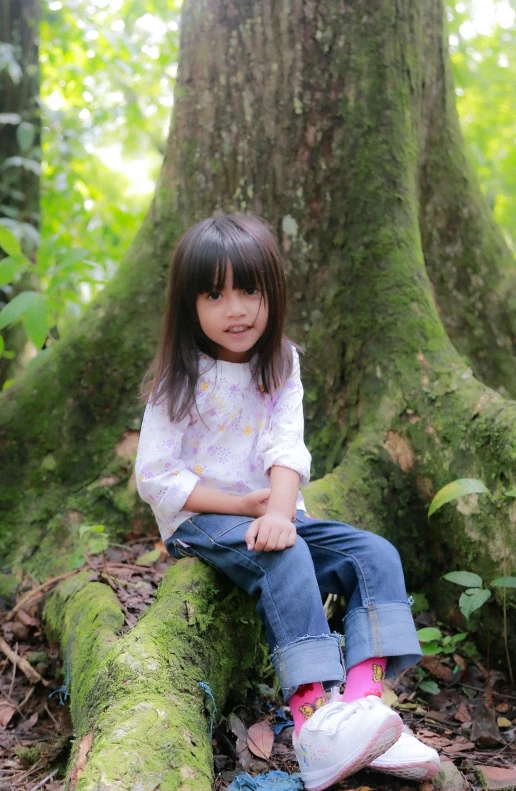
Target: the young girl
pixel 222 461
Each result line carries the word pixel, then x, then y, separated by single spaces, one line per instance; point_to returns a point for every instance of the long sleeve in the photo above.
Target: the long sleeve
pixel 161 476
pixel 285 446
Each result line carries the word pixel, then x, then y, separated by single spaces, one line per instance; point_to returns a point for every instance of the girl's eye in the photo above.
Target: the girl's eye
pixel 213 295
pixel 251 292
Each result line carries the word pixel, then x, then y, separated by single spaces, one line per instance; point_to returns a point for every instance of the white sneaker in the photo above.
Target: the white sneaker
pixel 341 738
pixel 408 758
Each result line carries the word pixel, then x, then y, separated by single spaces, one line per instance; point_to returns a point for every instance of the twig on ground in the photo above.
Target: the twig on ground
pixel 32 675
pixel 51 716
pixel 498 694
pixel 14 672
pixel 42 782
pixel 36 591
pixel 35 768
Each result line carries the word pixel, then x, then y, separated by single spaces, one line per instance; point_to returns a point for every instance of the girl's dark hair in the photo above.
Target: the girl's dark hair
pixel 199 265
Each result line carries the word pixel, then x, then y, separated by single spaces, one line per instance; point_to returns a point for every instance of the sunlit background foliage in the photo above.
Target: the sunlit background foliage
pixel 107 79
pixel 483 50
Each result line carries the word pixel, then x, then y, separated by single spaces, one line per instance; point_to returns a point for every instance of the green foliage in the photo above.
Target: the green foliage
pixel 472 599
pixel 108 72
pixel 504 582
pixel 93 540
pixel 148 558
pixel 459 488
pixel 434 642
pixel 107 77
pixel 465 578
pixel 476 595
pixel 429 686
pixel 483 54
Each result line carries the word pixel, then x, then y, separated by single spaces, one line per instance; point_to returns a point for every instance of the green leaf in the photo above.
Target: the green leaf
pixel 149 557
pixel 458 638
pixel 98 544
pixel 2 344
pixel 456 489
pixel 429 686
pixel 504 582
pixel 35 321
pixel 12 266
pixel 428 634
pixel 18 306
pixel 25 135
pixel 77 559
pixel 465 578
pixel 9 242
pixel 472 600
pixel 510 493
pixel 430 649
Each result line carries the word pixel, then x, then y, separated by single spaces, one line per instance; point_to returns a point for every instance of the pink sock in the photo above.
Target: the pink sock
pixel 365 679
pixel 306 701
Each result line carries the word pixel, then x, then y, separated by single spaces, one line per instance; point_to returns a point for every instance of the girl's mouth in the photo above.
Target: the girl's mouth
pixel 238 331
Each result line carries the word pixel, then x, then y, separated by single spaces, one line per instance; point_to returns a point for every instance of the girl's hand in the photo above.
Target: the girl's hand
pixel 270 532
pixel 255 503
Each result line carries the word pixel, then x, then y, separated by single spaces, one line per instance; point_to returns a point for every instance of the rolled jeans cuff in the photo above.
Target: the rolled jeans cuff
pixel 384 629
pixel 309 659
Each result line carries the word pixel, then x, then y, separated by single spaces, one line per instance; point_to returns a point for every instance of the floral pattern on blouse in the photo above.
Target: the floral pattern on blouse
pixel 229 441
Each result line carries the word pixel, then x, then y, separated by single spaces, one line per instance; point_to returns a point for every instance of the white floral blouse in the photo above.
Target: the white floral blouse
pixel 229 442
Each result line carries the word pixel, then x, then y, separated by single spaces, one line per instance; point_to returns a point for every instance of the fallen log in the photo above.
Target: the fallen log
pixel 139 714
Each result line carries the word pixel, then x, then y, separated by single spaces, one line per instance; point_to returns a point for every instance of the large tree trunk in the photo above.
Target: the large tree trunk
pixel 334 121
pixel 20 152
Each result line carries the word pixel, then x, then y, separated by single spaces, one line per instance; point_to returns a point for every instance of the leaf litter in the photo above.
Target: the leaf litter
pixel 36 731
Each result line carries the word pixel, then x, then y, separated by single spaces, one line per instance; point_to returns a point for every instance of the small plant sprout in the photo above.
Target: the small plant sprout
pixel 433 642
pixel 92 541
pixel 476 593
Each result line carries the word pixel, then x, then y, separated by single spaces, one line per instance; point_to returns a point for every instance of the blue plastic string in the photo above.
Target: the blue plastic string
pixel 206 687
pixel 64 691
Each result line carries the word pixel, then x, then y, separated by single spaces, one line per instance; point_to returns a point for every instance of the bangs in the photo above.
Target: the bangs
pixel 211 256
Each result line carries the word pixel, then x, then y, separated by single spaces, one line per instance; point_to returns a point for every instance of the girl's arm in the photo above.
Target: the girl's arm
pixel 284 490
pixel 204 500
pixel 274 530
pixel 164 482
pixel 286 447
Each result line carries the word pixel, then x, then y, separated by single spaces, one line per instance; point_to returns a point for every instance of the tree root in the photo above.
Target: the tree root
pixel 137 708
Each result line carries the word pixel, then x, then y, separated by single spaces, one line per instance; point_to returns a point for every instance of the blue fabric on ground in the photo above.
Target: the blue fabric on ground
pixel 272 781
pixel 277 727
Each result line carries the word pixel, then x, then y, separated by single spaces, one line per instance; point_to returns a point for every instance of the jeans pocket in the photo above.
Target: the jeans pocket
pixel 178 549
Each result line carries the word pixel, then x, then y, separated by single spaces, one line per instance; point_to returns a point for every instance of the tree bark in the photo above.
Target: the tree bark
pixel 327 119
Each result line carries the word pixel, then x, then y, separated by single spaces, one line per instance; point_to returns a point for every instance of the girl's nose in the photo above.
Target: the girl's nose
pixel 235 305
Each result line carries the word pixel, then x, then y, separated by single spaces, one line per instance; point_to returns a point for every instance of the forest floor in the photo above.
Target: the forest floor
pixel 450 701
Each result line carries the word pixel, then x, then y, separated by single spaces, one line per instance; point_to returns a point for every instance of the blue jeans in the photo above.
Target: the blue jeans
pixel 328 556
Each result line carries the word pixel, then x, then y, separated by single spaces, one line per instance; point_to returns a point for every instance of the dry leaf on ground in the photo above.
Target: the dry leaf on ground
pixel 260 739
pixel 462 714
pixel 6 712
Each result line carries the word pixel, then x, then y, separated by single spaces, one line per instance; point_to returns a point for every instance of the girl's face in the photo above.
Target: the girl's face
pixel 234 319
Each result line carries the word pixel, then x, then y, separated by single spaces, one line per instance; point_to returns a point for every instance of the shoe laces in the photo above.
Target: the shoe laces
pixel 338 711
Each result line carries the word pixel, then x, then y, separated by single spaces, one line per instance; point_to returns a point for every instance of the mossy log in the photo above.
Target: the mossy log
pixel 335 122
pixel 139 714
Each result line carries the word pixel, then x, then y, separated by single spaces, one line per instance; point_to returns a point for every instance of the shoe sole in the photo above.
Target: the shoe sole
pixel 379 742
pixel 421 771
